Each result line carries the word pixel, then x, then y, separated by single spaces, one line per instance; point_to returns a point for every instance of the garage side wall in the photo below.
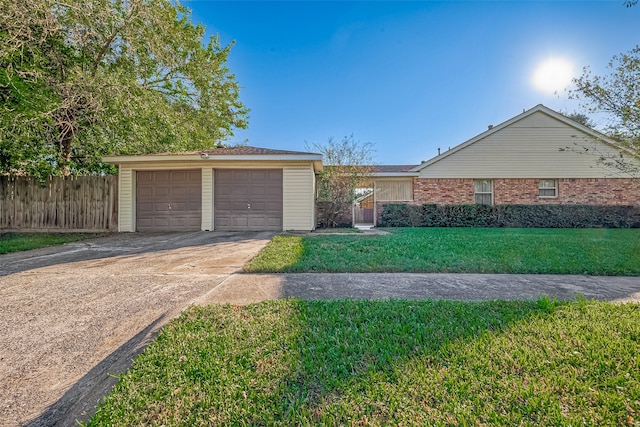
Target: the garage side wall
pixel 126 200
pixel 298 199
pixel 207 199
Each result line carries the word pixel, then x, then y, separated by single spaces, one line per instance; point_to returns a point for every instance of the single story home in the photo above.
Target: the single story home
pixel 537 157
pixel 226 189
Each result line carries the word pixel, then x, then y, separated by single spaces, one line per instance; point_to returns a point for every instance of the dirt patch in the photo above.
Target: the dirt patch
pixel 73 316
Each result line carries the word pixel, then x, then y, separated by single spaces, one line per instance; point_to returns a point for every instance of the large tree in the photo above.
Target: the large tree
pixel 617 95
pixel 347 166
pixel 84 78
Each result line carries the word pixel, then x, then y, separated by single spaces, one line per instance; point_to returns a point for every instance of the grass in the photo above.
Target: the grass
pixel 292 362
pixel 459 250
pixel 14 242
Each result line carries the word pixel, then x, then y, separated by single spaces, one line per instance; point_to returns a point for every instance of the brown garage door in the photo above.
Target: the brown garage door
pixel 248 199
pixel 168 200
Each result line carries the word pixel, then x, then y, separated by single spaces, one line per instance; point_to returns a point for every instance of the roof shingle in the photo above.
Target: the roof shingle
pixel 247 150
pixel 391 168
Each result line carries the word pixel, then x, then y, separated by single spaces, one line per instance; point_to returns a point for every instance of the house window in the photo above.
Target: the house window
pixel 548 188
pixel 484 191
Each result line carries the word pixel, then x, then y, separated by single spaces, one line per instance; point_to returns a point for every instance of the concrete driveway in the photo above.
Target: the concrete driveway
pixel 73 314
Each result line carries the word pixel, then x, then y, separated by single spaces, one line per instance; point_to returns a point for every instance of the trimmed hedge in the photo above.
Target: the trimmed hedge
pixel 514 216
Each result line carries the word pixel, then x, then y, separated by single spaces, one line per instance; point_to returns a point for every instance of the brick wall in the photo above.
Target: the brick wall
pixel 443 191
pixel 578 191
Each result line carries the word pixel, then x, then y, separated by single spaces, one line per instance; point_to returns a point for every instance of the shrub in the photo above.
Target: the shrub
pixel 515 216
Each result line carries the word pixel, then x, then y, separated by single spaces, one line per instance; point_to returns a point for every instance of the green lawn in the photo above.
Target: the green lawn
pixel 459 250
pixel 292 362
pixel 337 231
pixel 14 242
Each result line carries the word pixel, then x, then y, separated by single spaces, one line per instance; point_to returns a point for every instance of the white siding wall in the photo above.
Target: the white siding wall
pixel 207 199
pixel 126 200
pixel 534 147
pixel 298 198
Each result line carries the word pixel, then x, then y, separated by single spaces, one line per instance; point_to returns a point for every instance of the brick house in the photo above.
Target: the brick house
pixel 537 157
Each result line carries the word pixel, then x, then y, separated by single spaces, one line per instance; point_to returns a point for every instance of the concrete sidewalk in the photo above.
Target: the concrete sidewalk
pixel 249 288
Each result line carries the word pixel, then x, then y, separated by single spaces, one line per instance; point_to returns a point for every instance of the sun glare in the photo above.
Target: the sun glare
pixel 553 75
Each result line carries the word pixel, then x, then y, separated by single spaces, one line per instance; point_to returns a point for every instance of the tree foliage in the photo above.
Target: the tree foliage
pixel 581 118
pixel 83 78
pixel 347 166
pixel 618 96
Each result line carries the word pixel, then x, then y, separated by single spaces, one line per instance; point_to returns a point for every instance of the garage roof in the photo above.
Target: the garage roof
pixel 239 153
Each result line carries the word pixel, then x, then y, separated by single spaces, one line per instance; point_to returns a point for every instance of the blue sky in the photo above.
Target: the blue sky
pixel 409 77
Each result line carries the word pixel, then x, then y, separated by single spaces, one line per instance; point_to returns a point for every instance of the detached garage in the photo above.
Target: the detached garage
pixel 226 189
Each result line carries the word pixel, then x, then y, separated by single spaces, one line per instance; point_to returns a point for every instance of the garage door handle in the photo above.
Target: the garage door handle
pixel 169 206
pixel 248 205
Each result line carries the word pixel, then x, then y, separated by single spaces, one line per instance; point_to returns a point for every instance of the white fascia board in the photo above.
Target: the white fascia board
pixel 395 174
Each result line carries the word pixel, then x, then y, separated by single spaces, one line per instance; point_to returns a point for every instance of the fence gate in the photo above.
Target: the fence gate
pixel 362 215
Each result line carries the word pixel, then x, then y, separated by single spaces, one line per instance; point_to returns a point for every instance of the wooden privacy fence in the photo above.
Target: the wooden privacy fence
pixel 77 203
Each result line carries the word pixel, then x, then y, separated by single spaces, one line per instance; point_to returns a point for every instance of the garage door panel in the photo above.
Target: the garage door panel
pixel 142 178
pixel 160 222
pixel 193 192
pixel 258 190
pixel 179 207
pixel 260 176
pixel 223 206
pixel 239 192
pixel 234 191
pixel 248 199
pixel 145 206
pixel 180 221
pixel 145 222
pixel 239 221
pixel 273 207
pixel 257 222
pixel 144 191
pixel 194 222
pixel 194 205
pixel 178 192
pixel 179 177
pixel 158 177
pixel 223 221
pixel 157 190
pixel 159 208
pixel 223 191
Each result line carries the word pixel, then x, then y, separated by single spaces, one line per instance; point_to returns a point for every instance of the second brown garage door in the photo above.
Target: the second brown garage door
pixel 248 199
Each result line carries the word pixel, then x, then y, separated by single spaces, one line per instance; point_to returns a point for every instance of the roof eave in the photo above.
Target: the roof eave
pixel 394 174
pixel 212 157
